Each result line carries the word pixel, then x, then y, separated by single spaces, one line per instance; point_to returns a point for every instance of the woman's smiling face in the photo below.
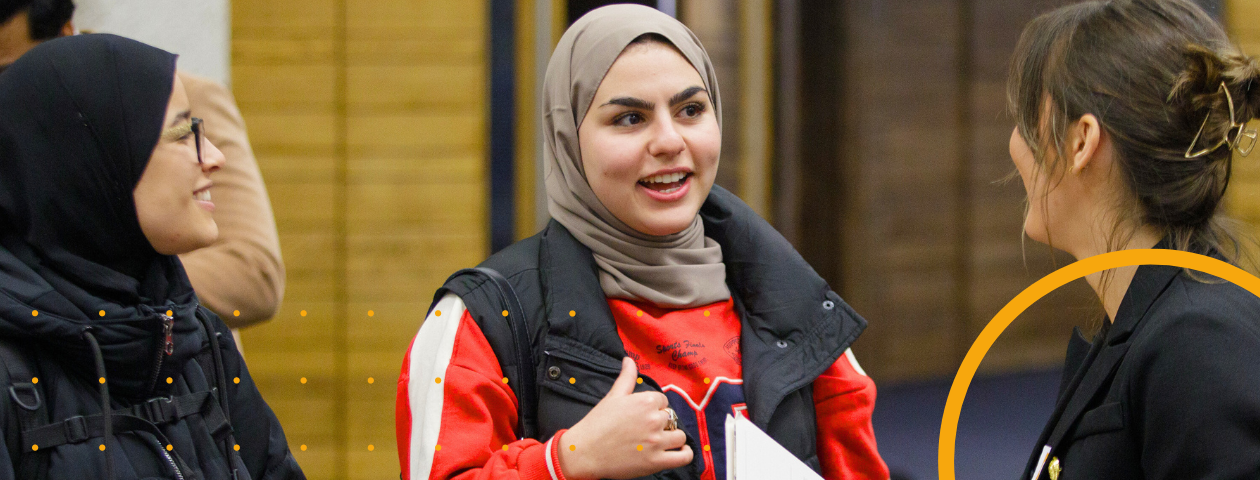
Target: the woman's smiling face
pixel 173 195
pixel 650 141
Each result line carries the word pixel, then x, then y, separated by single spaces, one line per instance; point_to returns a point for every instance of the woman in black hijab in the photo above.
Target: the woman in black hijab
pixel 104 178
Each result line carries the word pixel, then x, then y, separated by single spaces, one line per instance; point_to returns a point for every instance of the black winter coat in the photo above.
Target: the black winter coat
pixel 794 326
pixel 202 434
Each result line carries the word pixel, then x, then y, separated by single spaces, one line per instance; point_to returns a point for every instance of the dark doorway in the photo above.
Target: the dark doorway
pixel 577 8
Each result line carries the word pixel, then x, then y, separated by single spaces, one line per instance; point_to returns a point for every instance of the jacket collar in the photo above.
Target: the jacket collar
pixel 1098 369
pixel 54 316
pixel 570 283
pixel 794 326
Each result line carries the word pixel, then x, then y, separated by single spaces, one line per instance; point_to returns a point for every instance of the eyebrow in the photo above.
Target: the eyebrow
pixel 646 105
pixel 685 94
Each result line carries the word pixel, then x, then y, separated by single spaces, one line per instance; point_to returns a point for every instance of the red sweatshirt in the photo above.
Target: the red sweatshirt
pixel 456 415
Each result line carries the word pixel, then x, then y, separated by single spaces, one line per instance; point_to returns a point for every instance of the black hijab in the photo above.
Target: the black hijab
pixel 79 119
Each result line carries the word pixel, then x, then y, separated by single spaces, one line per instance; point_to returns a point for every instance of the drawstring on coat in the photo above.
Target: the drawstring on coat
pixel 106 415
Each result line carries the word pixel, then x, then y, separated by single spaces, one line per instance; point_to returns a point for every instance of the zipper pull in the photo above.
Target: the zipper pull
pixel 168 329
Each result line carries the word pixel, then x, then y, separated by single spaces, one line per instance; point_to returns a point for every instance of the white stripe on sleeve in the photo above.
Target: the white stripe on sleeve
pixel 853 361
pixel 430 356
pixel 551 466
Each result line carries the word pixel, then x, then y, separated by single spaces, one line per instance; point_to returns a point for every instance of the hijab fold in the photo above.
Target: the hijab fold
pixel 681 270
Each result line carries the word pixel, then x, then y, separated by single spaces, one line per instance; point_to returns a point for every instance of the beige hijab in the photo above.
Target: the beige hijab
pixel 678 271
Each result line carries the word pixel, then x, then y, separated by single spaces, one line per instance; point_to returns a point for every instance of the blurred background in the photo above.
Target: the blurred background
pixel 399 142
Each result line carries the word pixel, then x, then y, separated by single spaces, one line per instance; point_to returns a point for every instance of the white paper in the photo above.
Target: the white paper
pixel 753 455
pixel 1041 462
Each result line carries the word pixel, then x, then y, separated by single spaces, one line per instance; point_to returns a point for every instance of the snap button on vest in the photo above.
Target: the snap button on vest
pixel 553 372
pixel 781 344
pixel 828 305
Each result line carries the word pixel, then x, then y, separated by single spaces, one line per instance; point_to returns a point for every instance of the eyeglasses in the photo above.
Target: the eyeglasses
pixel 197 128
pixel 1235 143
pixel 199 134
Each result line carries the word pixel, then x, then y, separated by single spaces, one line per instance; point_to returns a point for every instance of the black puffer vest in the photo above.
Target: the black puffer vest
pixel 793 326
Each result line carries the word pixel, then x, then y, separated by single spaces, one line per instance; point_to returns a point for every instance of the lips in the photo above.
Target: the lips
pixel 666 183
pixel 203 199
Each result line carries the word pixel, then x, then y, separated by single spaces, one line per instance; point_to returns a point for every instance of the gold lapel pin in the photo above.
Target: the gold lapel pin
pixel 1054 469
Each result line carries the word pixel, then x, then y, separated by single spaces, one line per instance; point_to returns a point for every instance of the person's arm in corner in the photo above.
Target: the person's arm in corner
pixel 242 271
pixel 844 399
pixel 455 416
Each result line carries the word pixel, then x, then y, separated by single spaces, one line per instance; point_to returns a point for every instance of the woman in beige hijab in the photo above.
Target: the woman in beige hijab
pixel 614 343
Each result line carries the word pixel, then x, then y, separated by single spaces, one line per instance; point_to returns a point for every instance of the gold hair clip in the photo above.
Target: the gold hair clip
pixel 1236 143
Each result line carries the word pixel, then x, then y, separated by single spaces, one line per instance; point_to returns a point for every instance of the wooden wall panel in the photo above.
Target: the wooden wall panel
pixel 899 139
pixel 1001 262
pixel 1243 199
pixel 930 238
pixel 415 191
pixel 368 120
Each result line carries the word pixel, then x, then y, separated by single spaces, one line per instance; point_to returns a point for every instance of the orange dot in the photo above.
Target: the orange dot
pixel 572 313
pixel 572 448
pixel 303 447
pixel 572 380
pixel 170 313
pixel 101 313
pixel 236 447
pixel 437 380
pixel 34 379
pixel 706 313
pixel 371 380
pixel 639 447
pixel 438 448
pixel 639 380
pixel 437 313
pixel 303 380
pixel 706 380
pixel 505 313
pixel 302 313
pixel 170 447
pixel 706 448
pixel 34 313
pixel 639 313
pixel 169 380
pixel 34 448
pixel 371 447
pixel 236 380
pixel 102 380
pixel 102 447
pixel 505 447
pixel 505 380
pixel 371 313
pixel 236 313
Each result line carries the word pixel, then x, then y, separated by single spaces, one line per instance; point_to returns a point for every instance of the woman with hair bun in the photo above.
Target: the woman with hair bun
pixel 1129 114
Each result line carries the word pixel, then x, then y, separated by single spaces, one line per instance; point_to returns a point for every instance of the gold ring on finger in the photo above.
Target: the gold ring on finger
pixel 672 423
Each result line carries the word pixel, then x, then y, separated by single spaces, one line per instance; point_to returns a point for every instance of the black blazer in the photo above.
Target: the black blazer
pixel 1171 390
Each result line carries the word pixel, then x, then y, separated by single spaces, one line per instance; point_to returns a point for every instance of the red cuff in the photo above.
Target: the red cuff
pixel 553 452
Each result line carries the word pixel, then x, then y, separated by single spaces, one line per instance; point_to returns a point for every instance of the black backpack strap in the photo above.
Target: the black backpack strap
pixel 525 383
pixel 163 411
pixel 28 407
pixel 79 428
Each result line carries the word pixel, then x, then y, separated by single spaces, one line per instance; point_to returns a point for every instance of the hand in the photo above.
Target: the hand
pixel 606 441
